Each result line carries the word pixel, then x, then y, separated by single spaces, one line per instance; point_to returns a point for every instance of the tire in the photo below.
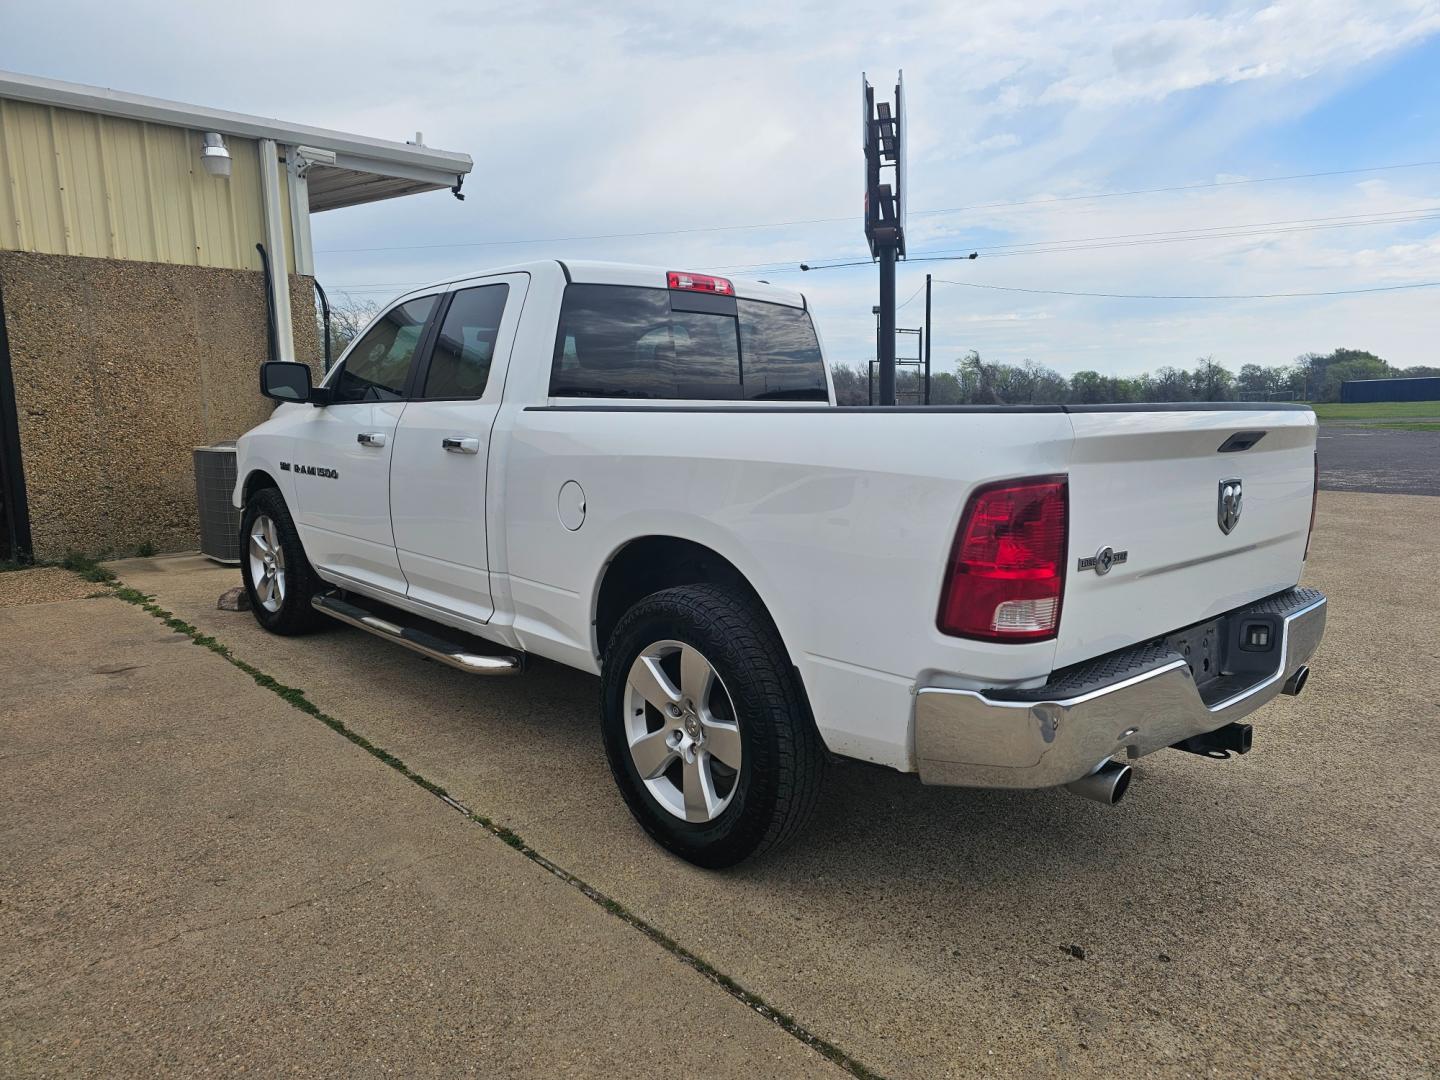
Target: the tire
pixel 700 802
pixel 281 602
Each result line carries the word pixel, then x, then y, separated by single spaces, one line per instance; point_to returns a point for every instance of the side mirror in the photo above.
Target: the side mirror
pixel 289 382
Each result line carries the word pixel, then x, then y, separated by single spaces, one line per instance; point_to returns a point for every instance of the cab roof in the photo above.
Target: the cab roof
pixel 597 272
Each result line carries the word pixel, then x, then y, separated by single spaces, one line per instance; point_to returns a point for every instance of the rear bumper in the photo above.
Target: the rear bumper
pixel 1138 700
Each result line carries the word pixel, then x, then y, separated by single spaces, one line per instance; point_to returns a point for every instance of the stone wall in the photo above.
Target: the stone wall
pixel 121 368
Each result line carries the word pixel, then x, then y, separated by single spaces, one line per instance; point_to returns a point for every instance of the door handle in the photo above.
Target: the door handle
pixel 467 445
pixel 371 438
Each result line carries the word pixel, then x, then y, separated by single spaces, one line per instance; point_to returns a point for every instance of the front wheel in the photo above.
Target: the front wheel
pixel 706 726
pixel 278 577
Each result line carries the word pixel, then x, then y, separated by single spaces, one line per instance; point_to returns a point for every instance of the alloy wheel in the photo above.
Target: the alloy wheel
pixel 267 563
pixel 683 731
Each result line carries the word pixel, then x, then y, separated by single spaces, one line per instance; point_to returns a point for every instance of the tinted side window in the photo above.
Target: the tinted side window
pixel 460 363
pixel 623 341
pixel 377 367
pixel 782 354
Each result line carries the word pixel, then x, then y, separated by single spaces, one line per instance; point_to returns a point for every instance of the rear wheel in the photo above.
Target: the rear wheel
pixel 706 726
pixel 278 577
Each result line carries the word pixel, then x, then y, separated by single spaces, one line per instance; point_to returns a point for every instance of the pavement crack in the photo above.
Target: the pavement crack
pixel 714 975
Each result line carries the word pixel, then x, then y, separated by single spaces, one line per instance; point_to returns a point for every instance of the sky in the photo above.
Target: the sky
pixel 729 136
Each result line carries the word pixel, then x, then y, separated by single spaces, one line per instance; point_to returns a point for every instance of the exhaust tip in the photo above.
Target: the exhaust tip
pixel 1107 784
pixel 1296 682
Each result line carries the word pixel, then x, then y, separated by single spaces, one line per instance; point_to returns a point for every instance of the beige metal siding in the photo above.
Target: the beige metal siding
pixel 75 183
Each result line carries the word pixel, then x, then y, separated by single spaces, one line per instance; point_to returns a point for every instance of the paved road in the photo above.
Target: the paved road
pixel 1378 460
pixel 1271 915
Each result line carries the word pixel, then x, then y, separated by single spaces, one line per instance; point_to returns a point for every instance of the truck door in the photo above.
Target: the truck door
pixel 442 449
pixel 342 452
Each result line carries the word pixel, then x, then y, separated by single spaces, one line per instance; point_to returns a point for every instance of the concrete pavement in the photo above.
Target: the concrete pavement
pixel 1275 914
pixel 200 879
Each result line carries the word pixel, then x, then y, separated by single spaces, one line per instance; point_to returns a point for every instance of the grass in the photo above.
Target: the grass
pixel 87 566
pixel 298 700
pixel 84 565
pixel 1363 411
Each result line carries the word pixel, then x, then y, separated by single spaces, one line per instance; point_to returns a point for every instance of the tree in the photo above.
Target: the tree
pixel 945 389
pixel 1171 384
pixel 348 317
pixel 1091 388
pixel 1255 382
pixel 850 388
pixel 1211 382
pixel 1322 375
pixel 976 380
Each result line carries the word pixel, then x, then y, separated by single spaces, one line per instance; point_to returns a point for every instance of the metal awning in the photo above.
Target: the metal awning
pixel 365 169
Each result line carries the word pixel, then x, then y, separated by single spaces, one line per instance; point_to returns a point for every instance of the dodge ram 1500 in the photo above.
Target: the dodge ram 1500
pixel 643 474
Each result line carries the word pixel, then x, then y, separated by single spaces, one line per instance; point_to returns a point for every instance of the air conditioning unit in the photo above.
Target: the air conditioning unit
pixel 219 520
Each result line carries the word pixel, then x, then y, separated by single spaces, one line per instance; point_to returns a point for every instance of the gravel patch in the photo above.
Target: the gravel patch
pixel 43 586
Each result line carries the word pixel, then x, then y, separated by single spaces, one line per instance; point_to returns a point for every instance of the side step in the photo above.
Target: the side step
pixel 451 651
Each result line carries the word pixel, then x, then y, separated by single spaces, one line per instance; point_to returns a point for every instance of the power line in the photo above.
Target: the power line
pixel 913 295
pixel 1397 217
pixel 918 213
pixel 1194 296
pixel 1125 240
pixel 1079 244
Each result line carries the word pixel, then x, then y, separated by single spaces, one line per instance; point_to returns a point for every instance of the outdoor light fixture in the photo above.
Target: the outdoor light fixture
pixel 214 156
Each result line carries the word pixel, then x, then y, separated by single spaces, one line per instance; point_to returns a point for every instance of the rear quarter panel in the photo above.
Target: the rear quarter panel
pixel 842 522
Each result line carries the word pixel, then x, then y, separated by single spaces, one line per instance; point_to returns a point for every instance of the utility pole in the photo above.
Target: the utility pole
pixel 927 339
pixel 884 142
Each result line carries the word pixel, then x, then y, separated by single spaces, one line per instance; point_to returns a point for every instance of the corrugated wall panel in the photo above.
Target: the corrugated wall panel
pixel 247 208
pixel 10 228
pixel 74 183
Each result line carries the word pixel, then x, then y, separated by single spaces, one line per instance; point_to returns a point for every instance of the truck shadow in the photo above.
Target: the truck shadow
pixel 877 832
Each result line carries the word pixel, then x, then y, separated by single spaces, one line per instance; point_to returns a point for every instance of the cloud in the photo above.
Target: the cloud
pixel 640 118
pixel 1282 41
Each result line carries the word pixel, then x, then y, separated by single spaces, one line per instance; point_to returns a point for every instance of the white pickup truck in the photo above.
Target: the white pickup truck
pixel 643 474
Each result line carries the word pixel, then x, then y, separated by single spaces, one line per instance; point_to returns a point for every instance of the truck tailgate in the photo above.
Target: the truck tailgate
pixel 1147 485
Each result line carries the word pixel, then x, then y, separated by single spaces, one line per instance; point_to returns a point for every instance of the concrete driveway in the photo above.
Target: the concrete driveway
pixel 198 879
pixel 1272 914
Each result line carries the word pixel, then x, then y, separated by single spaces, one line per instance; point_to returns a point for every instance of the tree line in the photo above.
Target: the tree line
pixel 974 381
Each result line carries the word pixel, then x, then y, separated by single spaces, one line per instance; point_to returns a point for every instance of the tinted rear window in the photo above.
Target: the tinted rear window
pixel 629 342
pixel 781 353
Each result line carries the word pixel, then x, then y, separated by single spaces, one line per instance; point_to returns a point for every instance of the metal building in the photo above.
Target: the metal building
pixel 1422 389
pixel 135 305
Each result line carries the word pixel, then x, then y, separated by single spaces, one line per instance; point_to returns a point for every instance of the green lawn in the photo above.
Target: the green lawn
pixel 1379 410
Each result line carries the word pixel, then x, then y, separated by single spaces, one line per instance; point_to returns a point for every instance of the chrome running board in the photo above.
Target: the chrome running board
pixel 452 652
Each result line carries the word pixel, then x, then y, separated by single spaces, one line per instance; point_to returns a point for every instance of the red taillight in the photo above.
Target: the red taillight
pixel 1314 502
pixel 720 286
pixel 1007 569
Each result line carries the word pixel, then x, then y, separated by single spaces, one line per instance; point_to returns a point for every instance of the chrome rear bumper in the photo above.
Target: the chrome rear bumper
pixel 1139 700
